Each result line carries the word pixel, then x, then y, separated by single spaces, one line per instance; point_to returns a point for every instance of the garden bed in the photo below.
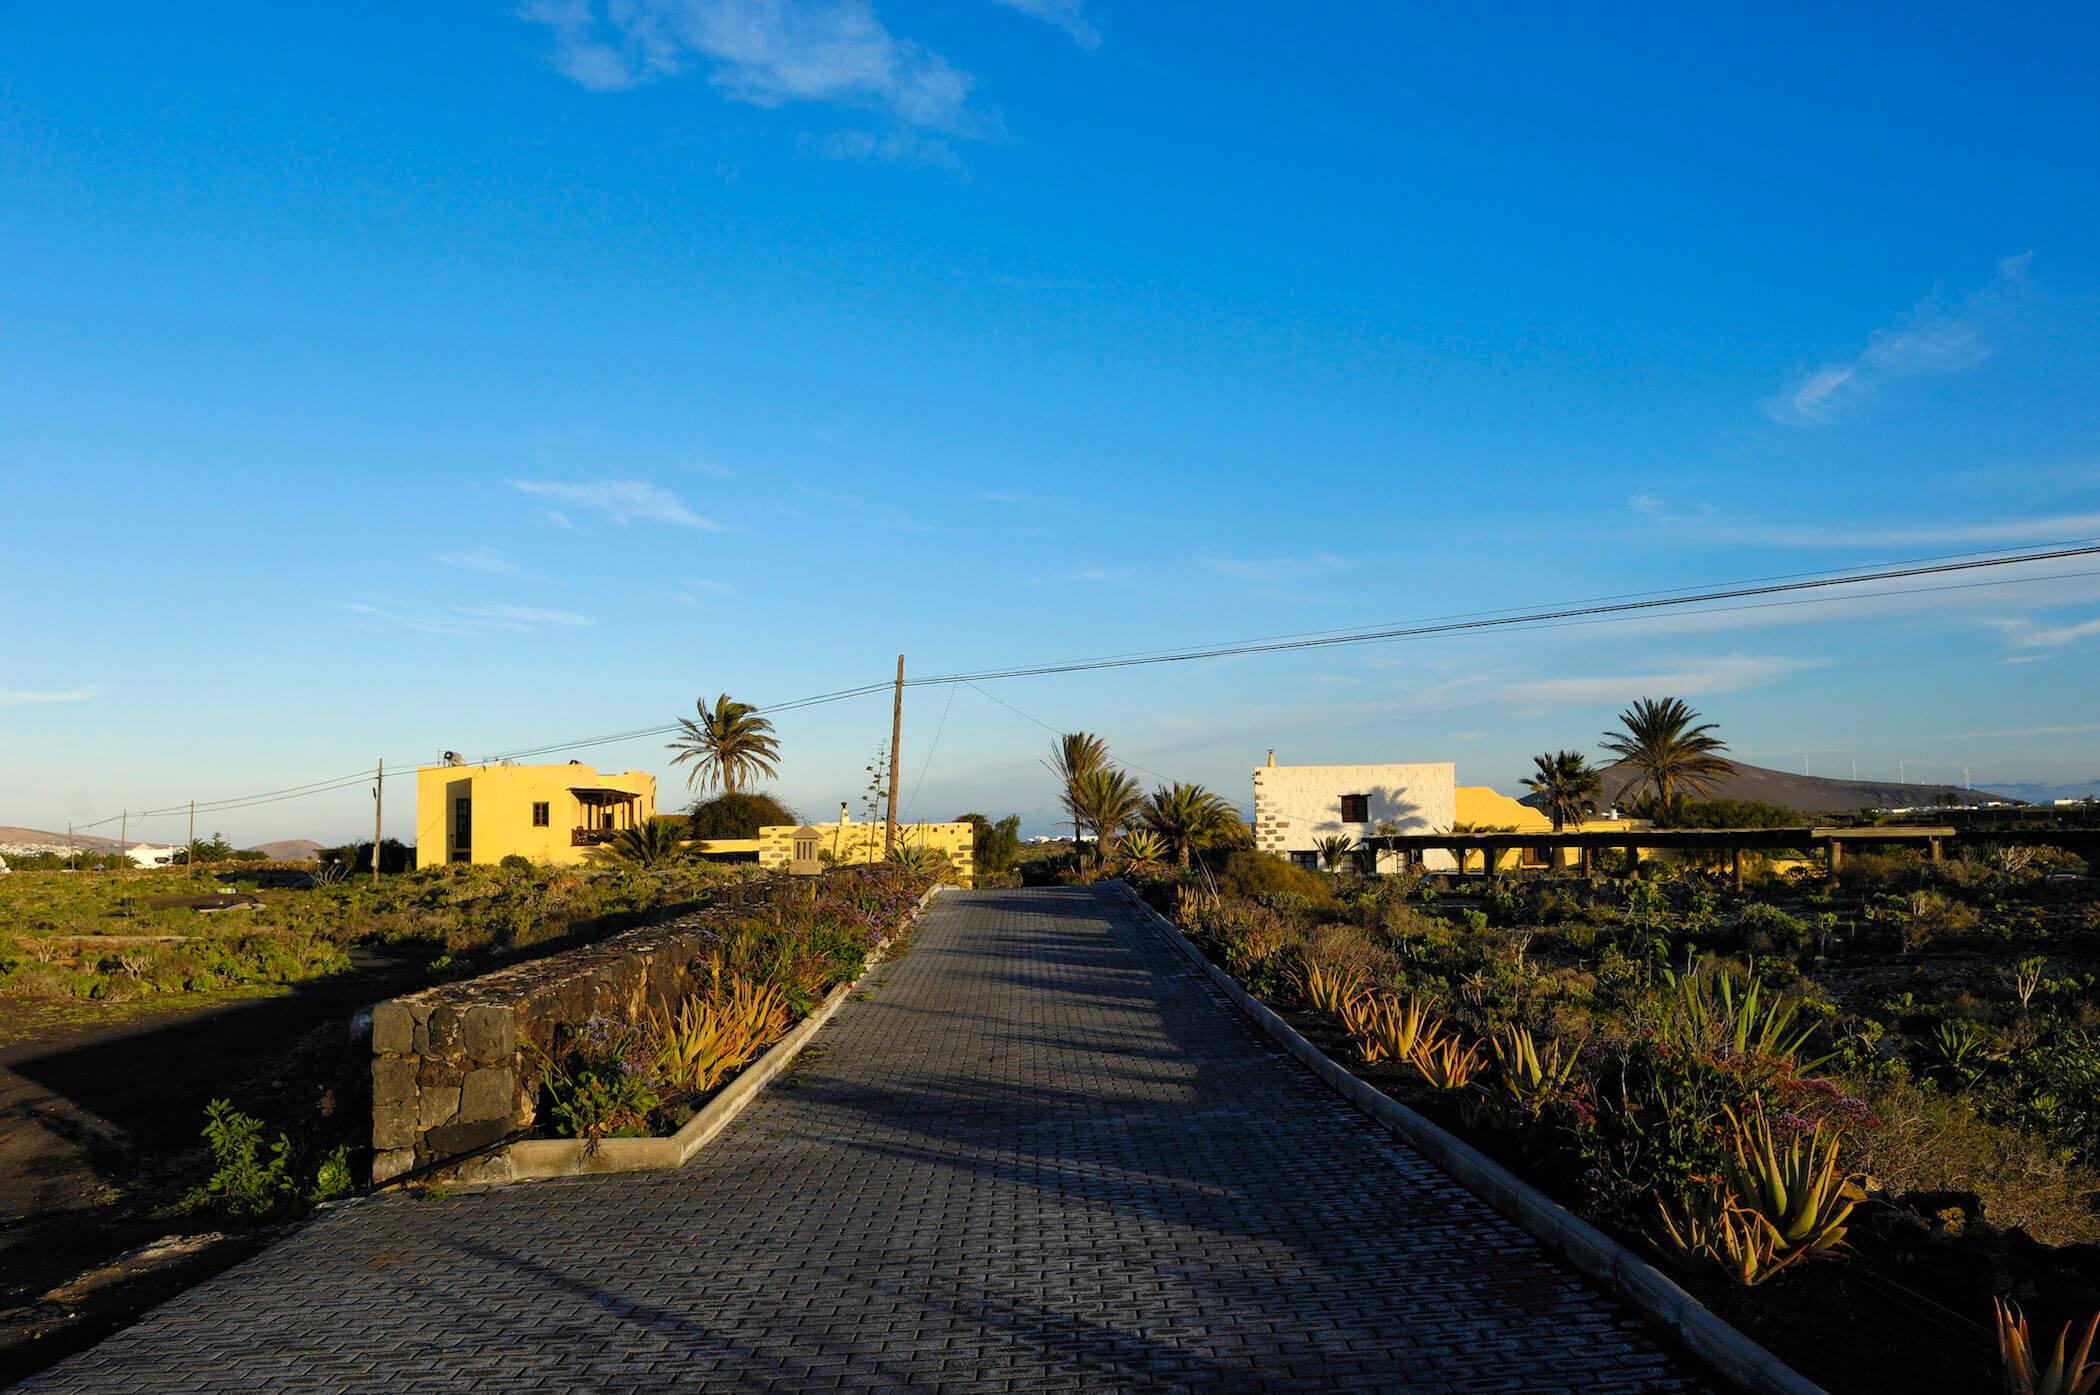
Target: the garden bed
pixel 1911 1306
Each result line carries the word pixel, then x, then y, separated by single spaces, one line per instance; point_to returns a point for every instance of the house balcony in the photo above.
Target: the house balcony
pixel 591 837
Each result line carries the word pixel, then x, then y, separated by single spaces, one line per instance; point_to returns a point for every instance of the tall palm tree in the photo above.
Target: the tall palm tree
pixel 1186 817
pixel 1660 740
pixel 1108 800
pixel 1566 786
pixel 729 746
pixel 1076 754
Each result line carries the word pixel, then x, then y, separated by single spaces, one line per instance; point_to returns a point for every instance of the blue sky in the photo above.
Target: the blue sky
pixel 384 380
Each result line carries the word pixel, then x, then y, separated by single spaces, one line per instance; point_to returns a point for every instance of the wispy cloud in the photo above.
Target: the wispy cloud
pixel 1711 525
pixel 1933 339
pixel 41 697
pixel 1277 569
pixel 1092 575
pixel 618 501
pixel 1062 13
pixel 769 53
pixel 486 560
pixel 464 619
pixel 2026 634
pixel 1726 673
pixel 1026 501
pixel 900 146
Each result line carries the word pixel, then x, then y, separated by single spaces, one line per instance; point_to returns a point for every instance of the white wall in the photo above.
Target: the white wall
pixel 1295 806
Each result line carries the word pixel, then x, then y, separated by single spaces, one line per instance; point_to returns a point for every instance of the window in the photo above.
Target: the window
pixel 1535 857
pixel 541 815
pixel 1356 808
pixel 1308 860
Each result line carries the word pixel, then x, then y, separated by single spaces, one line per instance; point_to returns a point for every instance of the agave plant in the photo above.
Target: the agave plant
pixel 1957 1047
pixel 1716 1010
pixel 1143 849
pixel 1329 988
pixel 1794 1187
pixel 917 860
pixel 2068 1373
pixel 1446 1062
pixel 1707 1228
pixel 1527 1077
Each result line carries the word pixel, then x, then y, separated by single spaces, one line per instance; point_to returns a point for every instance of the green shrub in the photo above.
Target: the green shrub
pixel 738 815
pixel 1257 875
pixel 247 1179
pixel 515 862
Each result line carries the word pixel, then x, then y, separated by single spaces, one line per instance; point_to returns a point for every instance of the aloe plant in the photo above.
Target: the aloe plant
pixel 2071 1372
pixel 1795 1187
pixel 1387 1029
pixel 1707 1228
pixel 1445 1061
pixel 1329 988
pixel 1716 1009
pixel 1526 1076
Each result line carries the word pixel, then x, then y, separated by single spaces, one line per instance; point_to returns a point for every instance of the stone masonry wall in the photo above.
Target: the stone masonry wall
pixel 453 1067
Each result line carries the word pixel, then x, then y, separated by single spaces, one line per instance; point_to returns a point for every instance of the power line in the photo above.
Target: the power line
pixel 1602 610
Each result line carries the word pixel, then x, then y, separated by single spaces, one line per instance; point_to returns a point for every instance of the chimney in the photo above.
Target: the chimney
pixel 1272 758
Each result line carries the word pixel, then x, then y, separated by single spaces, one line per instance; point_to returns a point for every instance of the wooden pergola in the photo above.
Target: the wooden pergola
pixel 1733 841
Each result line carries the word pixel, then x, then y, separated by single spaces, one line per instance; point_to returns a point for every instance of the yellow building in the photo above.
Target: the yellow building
pixel 811 848
pixel 1482 810
pixel 549 813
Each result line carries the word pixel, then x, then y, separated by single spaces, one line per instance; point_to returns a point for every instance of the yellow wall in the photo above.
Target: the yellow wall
pixel 501 811
pixel 862 842
pixel 1483 808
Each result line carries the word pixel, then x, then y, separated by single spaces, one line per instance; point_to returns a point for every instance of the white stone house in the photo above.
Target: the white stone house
pixel 1295 806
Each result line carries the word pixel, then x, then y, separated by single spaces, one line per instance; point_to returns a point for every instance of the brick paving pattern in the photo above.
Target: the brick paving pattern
pixel 1042 1155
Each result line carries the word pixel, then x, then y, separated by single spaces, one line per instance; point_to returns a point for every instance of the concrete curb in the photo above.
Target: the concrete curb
pixel 1636 1282
pixel 535 1159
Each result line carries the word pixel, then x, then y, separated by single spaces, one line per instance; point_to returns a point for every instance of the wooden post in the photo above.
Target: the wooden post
pixel 1735 866
pixel 1487 862
pixel 1585 853
pixel 1935 851
pixel 378 809
pixel 889 832
pixel 1835 857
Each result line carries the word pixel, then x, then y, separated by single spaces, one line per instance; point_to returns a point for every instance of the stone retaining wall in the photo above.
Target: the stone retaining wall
pixel 453 1067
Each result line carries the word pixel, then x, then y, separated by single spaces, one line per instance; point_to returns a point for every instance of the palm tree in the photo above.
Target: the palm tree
pixel 1076 754
pixel 650 845
pixel 1658 739
pixel 1108 801
pixel 1185 817
pixel 1566 786
pixel 729 746
pixel 1335 850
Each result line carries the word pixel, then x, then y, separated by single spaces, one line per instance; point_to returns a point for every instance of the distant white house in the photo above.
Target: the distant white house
pixel 1295 806
pixel 151 855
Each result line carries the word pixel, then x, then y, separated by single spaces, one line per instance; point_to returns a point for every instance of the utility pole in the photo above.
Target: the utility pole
pixel 378 808
pixel 124 835
pixel 889 833
pixel 69 840
pixel 189 854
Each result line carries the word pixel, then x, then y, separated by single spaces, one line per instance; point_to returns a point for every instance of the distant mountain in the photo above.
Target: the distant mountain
pixel 39 840
pixel 1811 794
pixel 290 850
pixel 2041 792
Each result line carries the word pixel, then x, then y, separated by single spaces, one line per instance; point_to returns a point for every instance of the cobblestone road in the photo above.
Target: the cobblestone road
pixel 1042 1155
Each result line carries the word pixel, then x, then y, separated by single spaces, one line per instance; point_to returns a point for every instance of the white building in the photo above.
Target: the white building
pixel 150 854
pixel 1295 806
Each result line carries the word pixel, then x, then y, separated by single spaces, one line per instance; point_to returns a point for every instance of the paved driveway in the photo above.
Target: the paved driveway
pixel 1043 1155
